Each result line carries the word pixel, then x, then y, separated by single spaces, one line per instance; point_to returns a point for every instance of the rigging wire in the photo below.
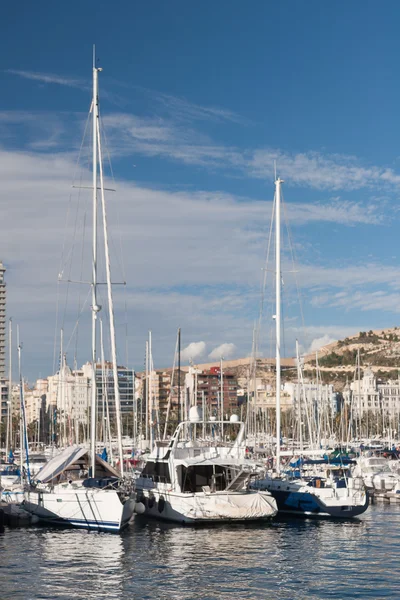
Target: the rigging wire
pixel 294 263
pixel 63 259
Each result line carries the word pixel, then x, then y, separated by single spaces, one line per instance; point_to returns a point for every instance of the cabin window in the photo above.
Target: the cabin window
pixel 157 471
pixel 194 478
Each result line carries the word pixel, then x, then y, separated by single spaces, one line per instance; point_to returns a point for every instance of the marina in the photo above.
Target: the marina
pixel 199 301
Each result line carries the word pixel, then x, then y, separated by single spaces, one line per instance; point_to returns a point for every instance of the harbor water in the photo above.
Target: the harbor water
pixel 286 558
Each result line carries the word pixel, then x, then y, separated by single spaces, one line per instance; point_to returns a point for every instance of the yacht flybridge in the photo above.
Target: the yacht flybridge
pixel 196 477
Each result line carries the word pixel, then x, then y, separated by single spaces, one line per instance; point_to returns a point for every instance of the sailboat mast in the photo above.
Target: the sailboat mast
pixel 9 403
pixel 110 306
pixel 95 307
pixel 151 408
pixel 21 427
pixel 278 318
pixel 180 416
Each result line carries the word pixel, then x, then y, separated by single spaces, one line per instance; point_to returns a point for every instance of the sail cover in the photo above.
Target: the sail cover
pixel 67 458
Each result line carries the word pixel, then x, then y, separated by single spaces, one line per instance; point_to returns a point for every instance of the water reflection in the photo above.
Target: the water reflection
pixel 284 559
pixel 60 563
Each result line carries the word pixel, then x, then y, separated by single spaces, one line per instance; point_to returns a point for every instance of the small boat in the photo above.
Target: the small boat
pixel 331 493
pixel 197 480
pixel 9 474
pixel 376 473
pixel 11 487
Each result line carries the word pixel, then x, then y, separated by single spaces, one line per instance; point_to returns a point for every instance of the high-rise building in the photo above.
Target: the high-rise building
pixel 2 320
pixel 105 387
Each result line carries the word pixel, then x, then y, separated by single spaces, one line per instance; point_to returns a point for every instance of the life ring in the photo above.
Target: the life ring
pixel 161 504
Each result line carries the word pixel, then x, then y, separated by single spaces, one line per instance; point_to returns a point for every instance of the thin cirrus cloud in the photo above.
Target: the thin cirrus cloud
pixel 166 139
pixel 49 78
pixel 179 107
pixel 184 110
pixel 170 140
pixel 384 300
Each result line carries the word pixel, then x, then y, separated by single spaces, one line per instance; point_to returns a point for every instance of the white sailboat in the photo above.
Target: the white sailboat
pixel 63 493
pixel 334 493
pixel 195 480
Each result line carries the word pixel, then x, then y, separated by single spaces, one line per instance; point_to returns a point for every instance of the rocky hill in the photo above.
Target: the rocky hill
pixel 378 349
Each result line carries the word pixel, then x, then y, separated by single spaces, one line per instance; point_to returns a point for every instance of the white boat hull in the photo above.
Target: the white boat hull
pixel 206 507
pixel 91 508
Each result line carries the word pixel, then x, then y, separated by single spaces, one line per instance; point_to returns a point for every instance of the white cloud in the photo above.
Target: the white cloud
pixel 170 137
pixel 193 351
pixel 225 351
pixel 177 276
pixel 320 342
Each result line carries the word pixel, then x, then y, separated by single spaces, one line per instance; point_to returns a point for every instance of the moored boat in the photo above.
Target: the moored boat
pixel 195 480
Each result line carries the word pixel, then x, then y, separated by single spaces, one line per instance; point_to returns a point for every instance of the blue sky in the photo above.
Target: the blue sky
pixel 198 100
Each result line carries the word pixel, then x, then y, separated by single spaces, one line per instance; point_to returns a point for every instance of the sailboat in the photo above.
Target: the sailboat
pixel 77 487
pixel 333 493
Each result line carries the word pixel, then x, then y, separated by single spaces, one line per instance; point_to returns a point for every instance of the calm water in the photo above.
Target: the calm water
pixel 284 559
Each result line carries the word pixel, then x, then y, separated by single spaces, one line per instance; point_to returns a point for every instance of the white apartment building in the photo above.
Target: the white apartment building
pixel 263 396
pixel 35 400
pixel 320 396
pixel 69 392
pixel 369 395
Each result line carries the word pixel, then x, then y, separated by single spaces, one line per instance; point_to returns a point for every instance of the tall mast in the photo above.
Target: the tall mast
pixel 9 403
pixel 222 398
pixel 21 426
pixel 278 318
pixel 300 388
pixel 110 303
pixel 179 374
pixel 151 407
pixel 95 307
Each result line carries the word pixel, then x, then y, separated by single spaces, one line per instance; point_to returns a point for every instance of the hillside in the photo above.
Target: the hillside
pixel 379 350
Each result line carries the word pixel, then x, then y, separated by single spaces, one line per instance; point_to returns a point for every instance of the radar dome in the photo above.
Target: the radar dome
pixel 195 415
pixel 234 419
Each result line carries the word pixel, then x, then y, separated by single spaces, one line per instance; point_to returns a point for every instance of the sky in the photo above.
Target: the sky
pixel 198 101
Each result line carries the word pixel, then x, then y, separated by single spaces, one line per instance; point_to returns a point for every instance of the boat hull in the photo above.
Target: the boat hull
pixel 196 508
pixel 310 505
pixel 300 499
pixel 101 510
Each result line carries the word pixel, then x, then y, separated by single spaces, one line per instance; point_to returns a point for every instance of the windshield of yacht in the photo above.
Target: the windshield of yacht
pixel 377 465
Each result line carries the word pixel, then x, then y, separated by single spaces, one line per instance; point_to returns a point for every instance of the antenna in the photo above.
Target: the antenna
pixel 94 56
pixel 275 169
